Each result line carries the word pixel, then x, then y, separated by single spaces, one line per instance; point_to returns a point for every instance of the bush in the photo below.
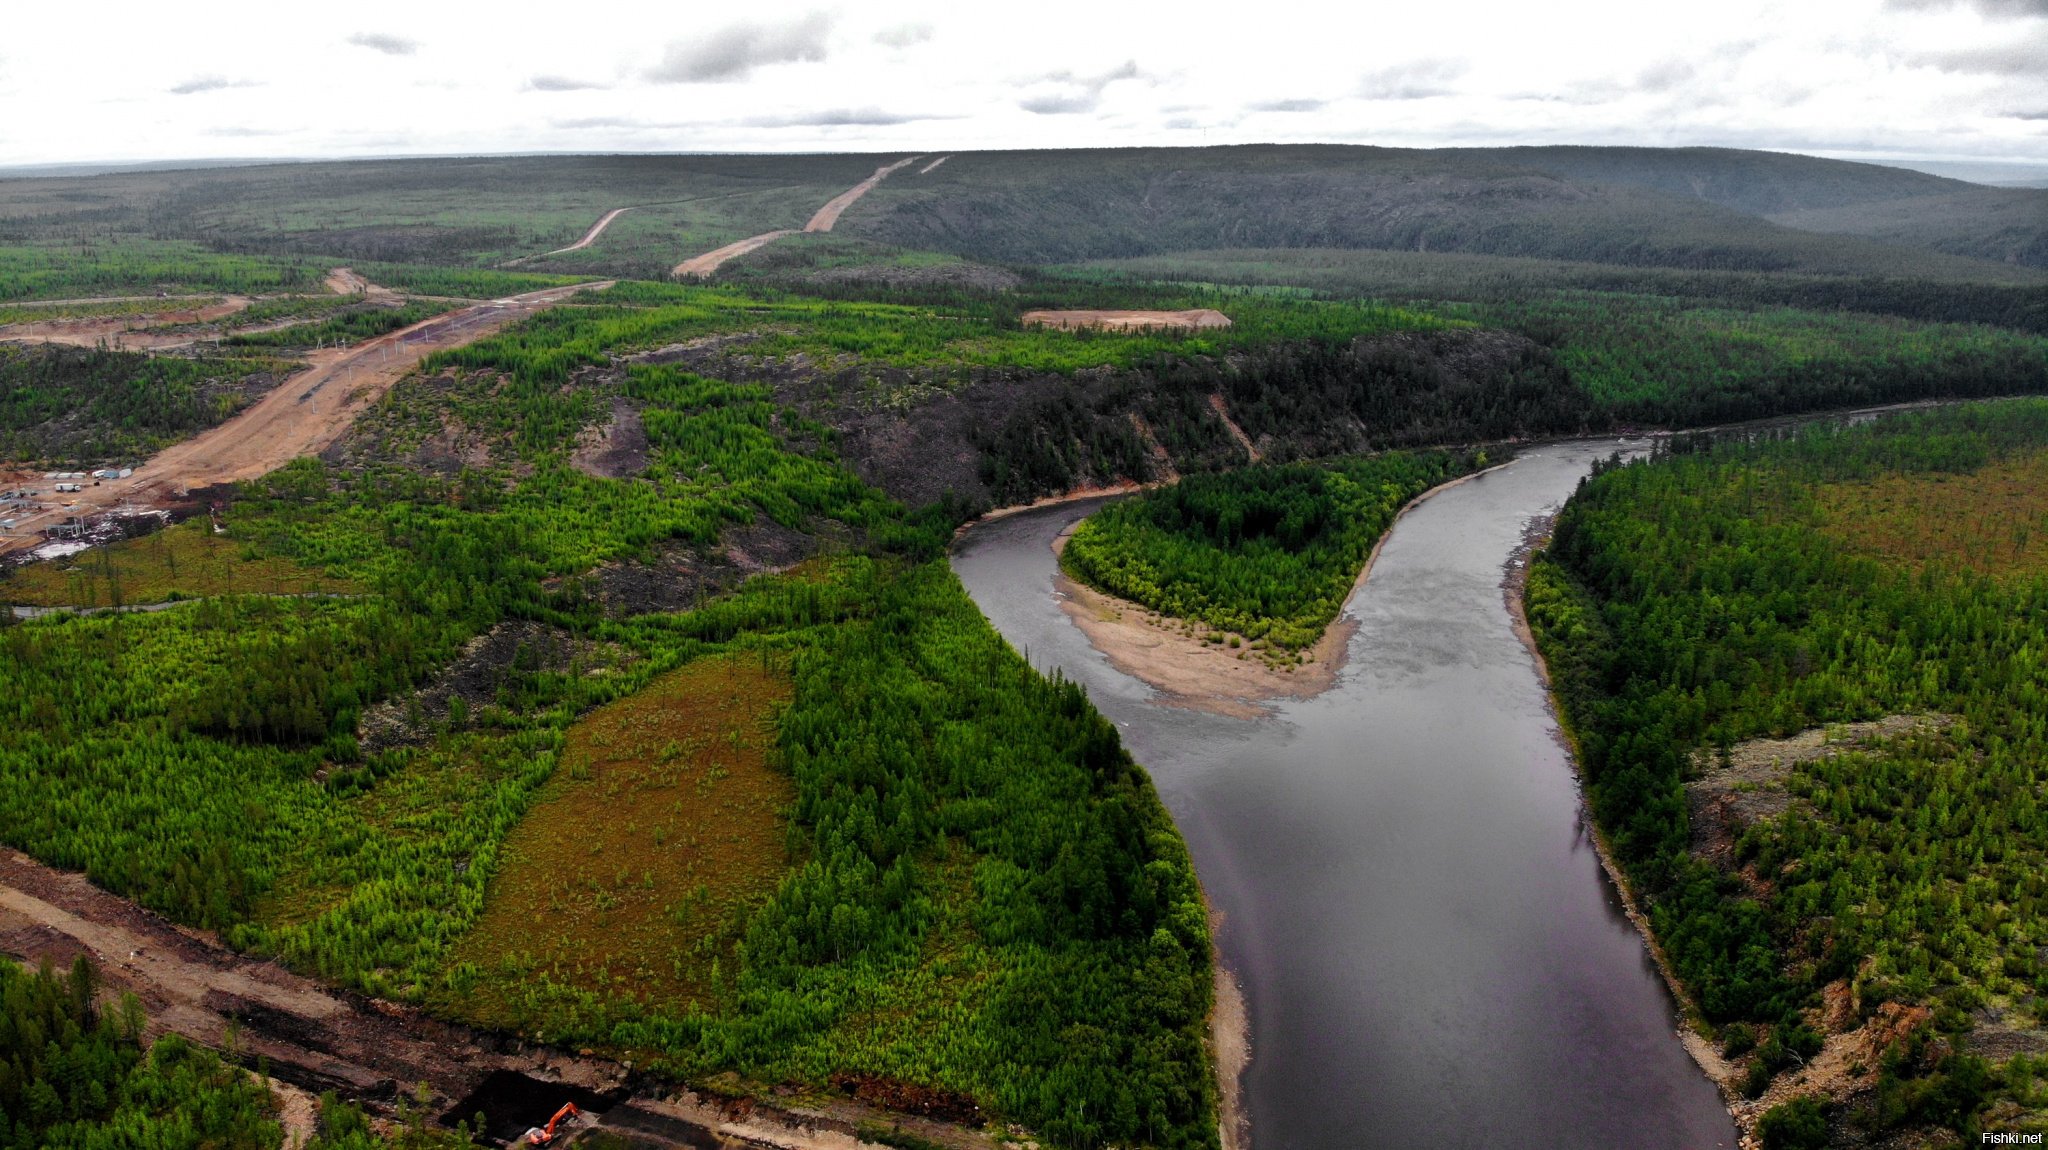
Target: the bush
pixel 1800 1124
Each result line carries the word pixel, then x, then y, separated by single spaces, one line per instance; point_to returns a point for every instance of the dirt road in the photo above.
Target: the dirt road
pixel 829 214
pixel 821 221
pixel 122 332
pixel 596 230
pixel 1074 319
pixel 119 331
pixel 933 164
pixel 709 262
pixel 301 416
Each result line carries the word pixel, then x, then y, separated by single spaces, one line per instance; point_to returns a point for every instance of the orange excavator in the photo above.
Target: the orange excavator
pixel 546 1137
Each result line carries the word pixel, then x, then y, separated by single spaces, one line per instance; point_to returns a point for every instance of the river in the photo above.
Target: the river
pixel 1430 952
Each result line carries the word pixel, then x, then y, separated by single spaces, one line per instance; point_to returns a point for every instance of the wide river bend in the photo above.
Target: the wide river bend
pixel 1429 949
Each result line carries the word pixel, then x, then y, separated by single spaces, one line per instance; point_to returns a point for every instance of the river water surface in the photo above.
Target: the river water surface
pixel 1430 952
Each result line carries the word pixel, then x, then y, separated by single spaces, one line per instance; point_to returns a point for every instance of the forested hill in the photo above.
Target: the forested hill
pixel 1693 208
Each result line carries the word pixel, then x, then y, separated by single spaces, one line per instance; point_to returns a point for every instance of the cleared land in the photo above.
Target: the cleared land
pixel 301 417
pixel 1075 319
pixel 188 561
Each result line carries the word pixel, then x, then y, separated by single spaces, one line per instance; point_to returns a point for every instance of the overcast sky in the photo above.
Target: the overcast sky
pixel 1933 79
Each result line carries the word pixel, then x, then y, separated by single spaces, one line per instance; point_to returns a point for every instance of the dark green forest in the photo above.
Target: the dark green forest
pixel 75 1075
pixel 1706 597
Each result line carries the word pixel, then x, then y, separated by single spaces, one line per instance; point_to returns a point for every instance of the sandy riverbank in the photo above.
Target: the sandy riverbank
pixel 1230 1046
pixel 1171 656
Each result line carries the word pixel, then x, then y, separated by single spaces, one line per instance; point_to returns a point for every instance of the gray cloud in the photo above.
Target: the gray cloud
pixel 842 117
pixel 385 42
pixel 1414 80
pixel 1080 93
pixel 1996 9
pixel 244 132
pixel 208 84
pixel 904 35
pixel 1664 75
pixel 2036 114
pixel 560 84
pixel 2022 59
pixel 584 123
pixel 734 51
pixel 1286 105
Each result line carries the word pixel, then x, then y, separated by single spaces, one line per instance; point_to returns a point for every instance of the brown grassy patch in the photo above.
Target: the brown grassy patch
pixel 184 562
pixel 658 835
pixel 1994 521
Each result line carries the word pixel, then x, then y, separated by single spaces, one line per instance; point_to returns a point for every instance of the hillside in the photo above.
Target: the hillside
pixel 1690 208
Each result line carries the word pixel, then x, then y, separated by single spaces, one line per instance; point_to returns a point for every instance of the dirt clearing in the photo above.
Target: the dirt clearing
pixel 1194 319
pixel 301 416
pixel 344 281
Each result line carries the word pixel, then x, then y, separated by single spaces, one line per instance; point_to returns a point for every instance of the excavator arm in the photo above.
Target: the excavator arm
pixel 546 1137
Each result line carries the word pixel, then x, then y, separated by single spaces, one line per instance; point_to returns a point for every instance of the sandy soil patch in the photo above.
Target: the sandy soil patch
pixel 1230 1044
pixel 1075 319
pixel 344 281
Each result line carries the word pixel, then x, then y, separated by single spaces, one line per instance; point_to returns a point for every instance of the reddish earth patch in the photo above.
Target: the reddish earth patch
pixel 1076 319
pixel 660 832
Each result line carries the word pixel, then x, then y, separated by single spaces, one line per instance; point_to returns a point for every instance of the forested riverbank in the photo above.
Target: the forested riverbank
pixel 1853 911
